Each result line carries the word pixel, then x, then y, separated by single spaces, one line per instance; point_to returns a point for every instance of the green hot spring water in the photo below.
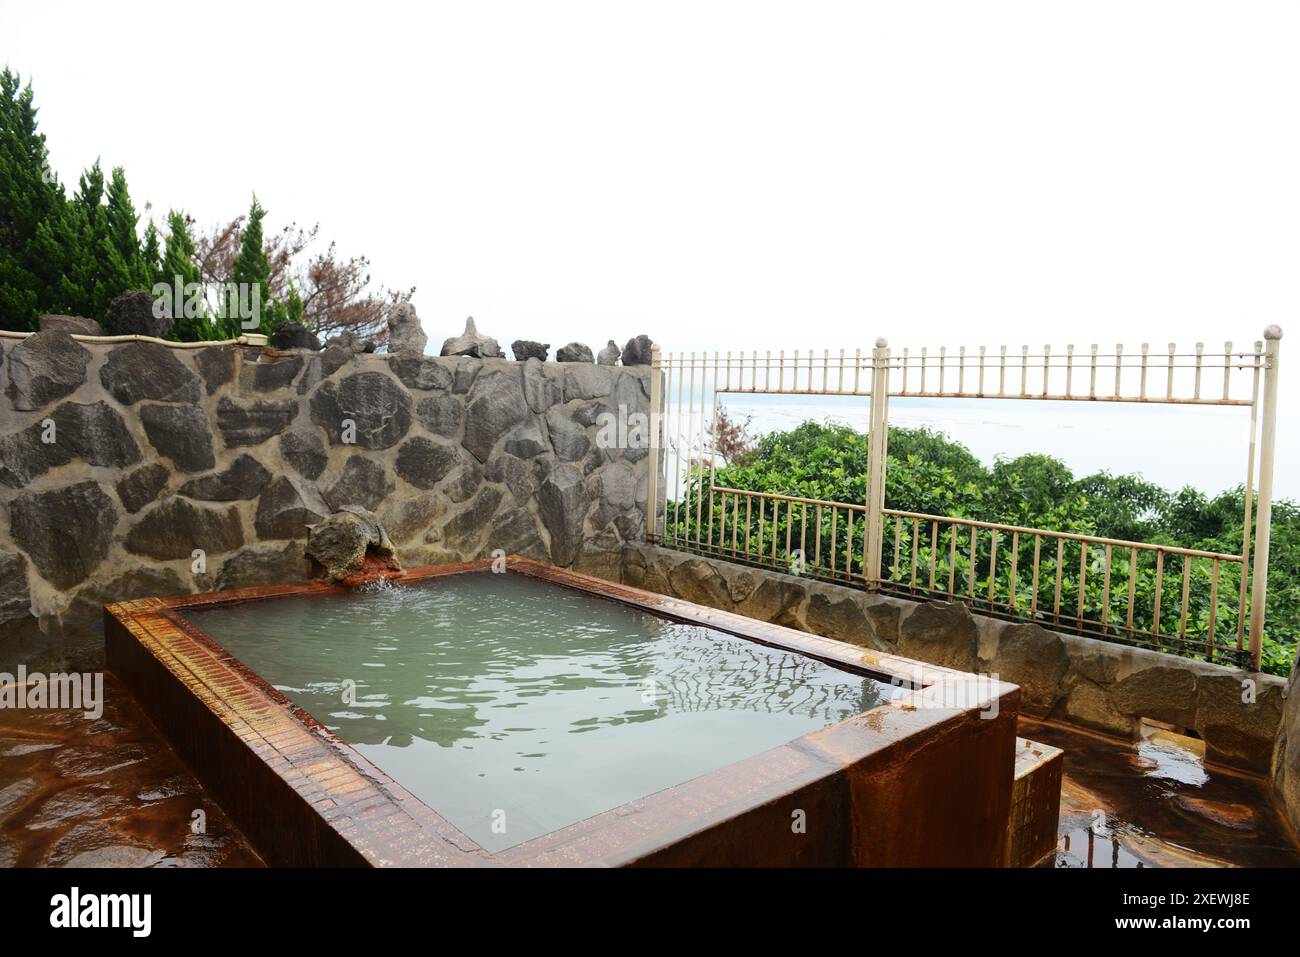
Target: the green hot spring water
pixel 514 707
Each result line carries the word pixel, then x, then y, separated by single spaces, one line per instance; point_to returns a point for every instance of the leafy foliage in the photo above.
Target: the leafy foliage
pixel 76 255
pixel 930 474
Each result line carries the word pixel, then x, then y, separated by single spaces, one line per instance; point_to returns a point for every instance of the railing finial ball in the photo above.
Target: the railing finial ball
pixel 1273 332
pixel 882 342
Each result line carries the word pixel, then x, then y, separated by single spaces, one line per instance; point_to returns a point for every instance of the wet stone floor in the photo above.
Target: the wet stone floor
pixel 104 792
pixel 109 792
pixel 1155 804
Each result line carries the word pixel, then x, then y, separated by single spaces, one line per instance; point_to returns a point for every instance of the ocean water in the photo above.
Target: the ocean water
pixel 514 707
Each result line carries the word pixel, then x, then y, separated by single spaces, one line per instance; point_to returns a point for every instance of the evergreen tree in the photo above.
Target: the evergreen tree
pixel 292 308
pixel 75 254
pixel 151 257
pixel 90 226
pixel 179 270
pixel 30 197
pixel 252 274
pixel 123 264
pixel 55 251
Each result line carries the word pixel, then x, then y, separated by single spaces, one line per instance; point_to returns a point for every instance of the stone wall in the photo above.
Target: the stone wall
pixel 118 461
pixel 1091 684
pixel 1286 756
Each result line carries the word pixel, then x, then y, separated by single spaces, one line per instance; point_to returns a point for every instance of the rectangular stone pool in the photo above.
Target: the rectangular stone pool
pixel 457 716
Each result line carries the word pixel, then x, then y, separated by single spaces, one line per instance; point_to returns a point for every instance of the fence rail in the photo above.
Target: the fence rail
pixel 1183 600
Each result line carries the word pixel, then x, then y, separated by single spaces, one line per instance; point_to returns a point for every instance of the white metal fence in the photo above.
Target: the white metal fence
pixel 1204 603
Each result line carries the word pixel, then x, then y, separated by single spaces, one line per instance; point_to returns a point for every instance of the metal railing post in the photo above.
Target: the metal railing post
pixel 1264 514
pixel 656 410
pixel 877 454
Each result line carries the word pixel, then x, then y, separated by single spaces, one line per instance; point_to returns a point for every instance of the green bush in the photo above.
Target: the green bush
pixel 931 474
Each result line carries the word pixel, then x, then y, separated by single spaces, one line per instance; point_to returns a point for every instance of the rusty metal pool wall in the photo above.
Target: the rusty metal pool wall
pixel 919 782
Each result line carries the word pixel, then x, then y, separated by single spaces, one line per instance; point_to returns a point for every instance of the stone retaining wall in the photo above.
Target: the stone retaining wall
pixel 1286 757
pixel 1080 681
pixel 118 461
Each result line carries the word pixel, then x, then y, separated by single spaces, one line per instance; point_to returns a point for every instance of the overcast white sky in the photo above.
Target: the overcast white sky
pixel 722 175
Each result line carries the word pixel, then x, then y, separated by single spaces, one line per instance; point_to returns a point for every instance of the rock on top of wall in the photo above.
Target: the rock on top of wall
pixel 638 351
pixel 294 335
pixel 73 325
pixel 529 349
pixel 472 343
pixel 405 334
pixel 132 314
pixel 574 352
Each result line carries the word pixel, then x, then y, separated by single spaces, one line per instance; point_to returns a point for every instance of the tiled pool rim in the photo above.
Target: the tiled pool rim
pixel 917 781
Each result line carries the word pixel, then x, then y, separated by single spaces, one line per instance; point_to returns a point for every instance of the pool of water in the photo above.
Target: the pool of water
pixel 515 707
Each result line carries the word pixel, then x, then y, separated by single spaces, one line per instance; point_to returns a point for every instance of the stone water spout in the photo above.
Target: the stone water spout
pixel 351 547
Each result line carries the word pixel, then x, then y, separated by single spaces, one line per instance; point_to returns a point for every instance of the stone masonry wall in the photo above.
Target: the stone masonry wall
pixel 1079 681
pixel 1286 757
pixel 118 461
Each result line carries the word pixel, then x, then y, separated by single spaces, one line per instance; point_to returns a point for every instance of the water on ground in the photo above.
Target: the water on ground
pixel 105 792
pixel 1156 803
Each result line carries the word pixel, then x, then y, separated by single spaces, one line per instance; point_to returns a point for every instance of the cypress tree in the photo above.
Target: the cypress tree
pixel 293 307
pixel 121 256
pixel 30 196
pixel 151 257
pixel 179 270
pixel 90 260
pixel 251 270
